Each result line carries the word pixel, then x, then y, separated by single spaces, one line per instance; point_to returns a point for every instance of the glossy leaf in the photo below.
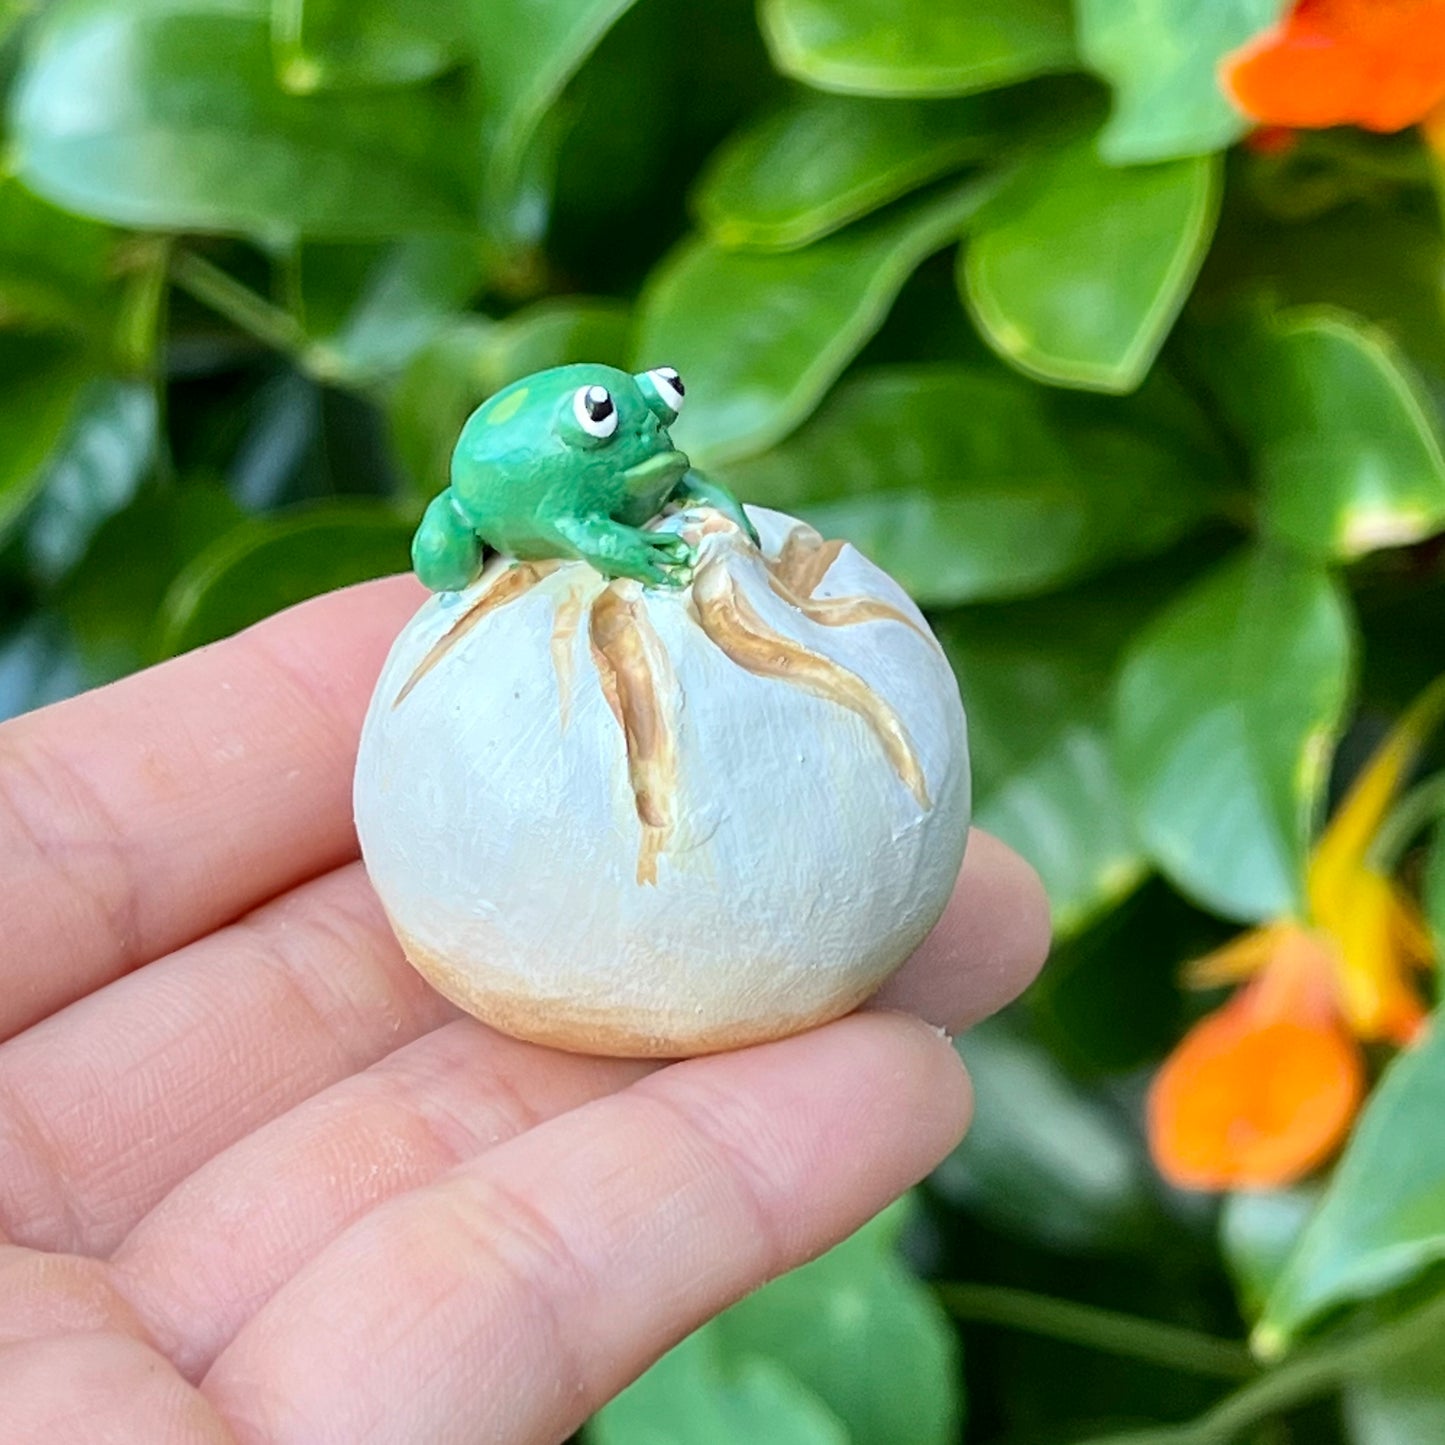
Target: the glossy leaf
pixel 1036 678
pixel 526 54
pixel 1045 1160
pixel 98 462
pixel 53 267
pixel 1340 431
pixel 369 325
pixel 965 485
pixel 863 1335
pixel 825 160
pixel 1433 888
pixel 166 113
pixel 1382 1220
pixel 1224 715
pixel 850 1339
pixel 762 337
pixel 695 1395
pixel 1402 1403
pixel 1163 60
pixel 269 563
pixel 912 47
pixel 1257 1232
pixel 322 44
pixel 1076 271
pixel 112 604
pixel 41 383
pixel 38 665
pixel 472 358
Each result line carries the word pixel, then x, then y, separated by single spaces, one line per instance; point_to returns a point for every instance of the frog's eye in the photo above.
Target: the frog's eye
pixel 663 388
pixel 595 411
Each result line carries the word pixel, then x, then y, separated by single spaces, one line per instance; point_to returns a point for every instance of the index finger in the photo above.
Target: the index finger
pixel 139 817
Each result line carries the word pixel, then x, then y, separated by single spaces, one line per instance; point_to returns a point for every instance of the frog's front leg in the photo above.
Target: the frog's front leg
pixel 446 550
pixel 659 559
pixel 704 492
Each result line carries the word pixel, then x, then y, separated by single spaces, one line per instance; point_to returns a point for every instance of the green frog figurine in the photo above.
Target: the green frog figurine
pixel 570 462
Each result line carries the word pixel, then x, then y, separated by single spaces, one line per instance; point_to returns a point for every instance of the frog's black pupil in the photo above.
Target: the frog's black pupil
pixel 598 404
pixel 673 380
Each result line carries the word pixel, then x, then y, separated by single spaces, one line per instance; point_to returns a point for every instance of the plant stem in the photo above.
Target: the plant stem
pixel 253 314
pixel 1171 1346
pixel 1309 1375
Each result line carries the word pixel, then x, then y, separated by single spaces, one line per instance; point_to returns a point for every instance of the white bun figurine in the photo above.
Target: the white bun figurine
pixel 666 821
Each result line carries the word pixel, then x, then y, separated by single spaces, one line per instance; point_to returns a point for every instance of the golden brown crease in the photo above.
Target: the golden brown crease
pixel 732 624
pixel 517 580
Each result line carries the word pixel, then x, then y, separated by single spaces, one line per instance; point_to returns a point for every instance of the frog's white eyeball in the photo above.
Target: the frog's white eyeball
pixel 664 821
pixel 595 411
pixel 669 387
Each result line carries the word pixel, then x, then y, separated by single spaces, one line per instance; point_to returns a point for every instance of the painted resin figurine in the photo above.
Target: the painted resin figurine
pixel 664 776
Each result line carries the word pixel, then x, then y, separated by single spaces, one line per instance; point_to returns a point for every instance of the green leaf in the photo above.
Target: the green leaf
pixel 370 325
pixel 1045 1160
pixel 41 382
pixel 863 1335
pixel 1163 60
pixel 912 47
pixel 1108 1004
pixel 472 358
pixel 825 160
pixel 1259 253
pixel 1257 1231
pixel 1224 714
pixel 759 338
pixel 1340 431
pixel 851 1347
pixel 1076 271
pixel 1036 679
pixel 98 462
pixel 1402 1403
pixel 695 1395
pixel 1382 1220
pixel 38 665
pixel 54 268
pixel 1433 889
pixel 269 563
pixel 322 44
pixel 111 604
pixel 165 113
pixel 526 54
pixel 968 484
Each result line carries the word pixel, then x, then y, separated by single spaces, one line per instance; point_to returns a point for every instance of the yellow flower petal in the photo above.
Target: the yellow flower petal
pixel 1239 959
pixel 1343 844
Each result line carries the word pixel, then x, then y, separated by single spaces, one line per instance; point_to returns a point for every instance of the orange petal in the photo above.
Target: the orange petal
pixel 1259 1093
pixel 1373 63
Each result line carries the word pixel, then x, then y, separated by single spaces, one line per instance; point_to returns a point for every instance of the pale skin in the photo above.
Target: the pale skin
pixel 260 1185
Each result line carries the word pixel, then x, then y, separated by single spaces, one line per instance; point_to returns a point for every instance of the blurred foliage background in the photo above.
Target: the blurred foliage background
pixel 1147 418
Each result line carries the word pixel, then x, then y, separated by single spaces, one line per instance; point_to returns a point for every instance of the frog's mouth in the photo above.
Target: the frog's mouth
pixel 659 468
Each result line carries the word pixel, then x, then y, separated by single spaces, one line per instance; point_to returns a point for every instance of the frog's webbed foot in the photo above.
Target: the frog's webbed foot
pixel 704 492
pixel 446 552
pixel 658 559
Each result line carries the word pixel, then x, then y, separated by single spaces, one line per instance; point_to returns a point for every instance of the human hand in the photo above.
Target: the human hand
pixel 261 1184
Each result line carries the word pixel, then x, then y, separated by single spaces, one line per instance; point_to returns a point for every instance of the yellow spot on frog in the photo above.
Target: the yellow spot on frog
pixel 507 408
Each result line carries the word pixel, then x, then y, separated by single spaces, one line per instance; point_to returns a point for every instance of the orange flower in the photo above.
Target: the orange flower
pixel 1379 64
pixel 1263 1090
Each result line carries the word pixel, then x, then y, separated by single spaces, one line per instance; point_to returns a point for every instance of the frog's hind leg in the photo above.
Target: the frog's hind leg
pixel 446 551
